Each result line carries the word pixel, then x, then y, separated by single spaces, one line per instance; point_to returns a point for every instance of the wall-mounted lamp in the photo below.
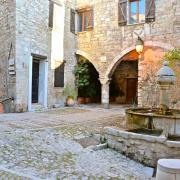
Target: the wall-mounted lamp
pixel 139 45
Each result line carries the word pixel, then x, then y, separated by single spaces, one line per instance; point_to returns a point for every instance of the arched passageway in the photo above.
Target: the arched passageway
pixel 124 80
pixel 87 81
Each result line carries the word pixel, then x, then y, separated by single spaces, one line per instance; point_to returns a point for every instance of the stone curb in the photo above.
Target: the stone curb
pixel 98 147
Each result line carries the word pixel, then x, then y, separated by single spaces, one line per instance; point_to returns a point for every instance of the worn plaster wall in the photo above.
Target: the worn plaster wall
pixel 7 36
pixel 109 40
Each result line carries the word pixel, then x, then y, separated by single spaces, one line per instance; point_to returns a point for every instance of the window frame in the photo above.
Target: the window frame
pixel 83 13
pixel 52 4
pixel 137 12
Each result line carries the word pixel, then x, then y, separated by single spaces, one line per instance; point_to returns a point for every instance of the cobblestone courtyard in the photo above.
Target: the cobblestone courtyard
pixel 45 146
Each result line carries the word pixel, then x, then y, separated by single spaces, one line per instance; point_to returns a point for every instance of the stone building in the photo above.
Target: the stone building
pixel 109 44
pixel 34 49
pixel 41 41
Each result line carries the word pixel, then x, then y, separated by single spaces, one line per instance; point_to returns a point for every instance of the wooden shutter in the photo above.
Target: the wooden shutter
pixel 59 76
pixel 90 19
pixel 72 23
pixel 122 12
pixel 150 10
pixel 51 13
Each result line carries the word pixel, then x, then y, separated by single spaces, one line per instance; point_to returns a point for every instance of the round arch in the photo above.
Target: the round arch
pixel 118 58
pixel 88 57
pixel 92 92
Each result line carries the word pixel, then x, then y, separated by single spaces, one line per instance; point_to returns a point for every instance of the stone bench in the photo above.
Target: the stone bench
pixel 168 169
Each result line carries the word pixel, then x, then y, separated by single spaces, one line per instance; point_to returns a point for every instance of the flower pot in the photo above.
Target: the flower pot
pixel 81 100
pixel 70 101
pixel 88 100
pixel 1 108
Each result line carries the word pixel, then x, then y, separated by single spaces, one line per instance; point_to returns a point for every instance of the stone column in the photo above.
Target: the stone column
pixel 105 93
pixel 164 95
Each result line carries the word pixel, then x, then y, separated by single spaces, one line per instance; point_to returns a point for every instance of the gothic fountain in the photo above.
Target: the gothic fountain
pixel 151 133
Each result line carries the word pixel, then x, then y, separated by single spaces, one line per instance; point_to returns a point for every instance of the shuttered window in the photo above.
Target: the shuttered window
pixel 150 10
pixel 122 12
pixel 59 76
pixel 136 11
pixel 72 25
pixel 85 20
pixel 51 13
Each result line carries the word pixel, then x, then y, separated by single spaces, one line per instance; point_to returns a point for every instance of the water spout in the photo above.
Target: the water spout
pixel 150 123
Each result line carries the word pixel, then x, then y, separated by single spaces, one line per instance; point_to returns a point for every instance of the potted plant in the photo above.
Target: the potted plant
pixel 91 92
pixel 82 79
pixel 1 107
pixel 71 95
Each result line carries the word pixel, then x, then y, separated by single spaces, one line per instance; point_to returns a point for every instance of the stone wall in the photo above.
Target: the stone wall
pixel 34 36
pixel 112 41
pixel 7 36
pixel 143 148
pixel 68 50
pixel 69 44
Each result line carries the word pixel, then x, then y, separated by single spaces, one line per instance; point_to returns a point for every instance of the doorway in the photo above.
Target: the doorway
pixel 123 87
pixel 35 81
pixel 38 81
pixel 131 89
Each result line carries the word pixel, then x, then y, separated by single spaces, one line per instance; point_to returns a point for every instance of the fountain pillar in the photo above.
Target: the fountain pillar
pixel 165 78
pixel 164 95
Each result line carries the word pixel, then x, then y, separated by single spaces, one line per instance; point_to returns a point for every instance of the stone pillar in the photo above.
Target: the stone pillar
pixel 164 95
pixel 105 93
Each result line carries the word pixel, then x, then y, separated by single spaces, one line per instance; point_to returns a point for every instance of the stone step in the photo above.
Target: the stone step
pixel 38 108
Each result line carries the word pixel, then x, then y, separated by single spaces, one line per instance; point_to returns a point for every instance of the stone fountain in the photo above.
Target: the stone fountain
pixel 161 120
pixel 151 133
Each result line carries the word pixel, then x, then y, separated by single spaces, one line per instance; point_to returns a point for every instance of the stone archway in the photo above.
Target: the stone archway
pixel 118 57
pixel 90 93
pixel 88 57
pixel 117 60
pixel 124 78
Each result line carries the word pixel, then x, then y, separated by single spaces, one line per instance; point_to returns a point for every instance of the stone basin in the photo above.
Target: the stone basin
pixel 138 118
pixel 155 132
pixel 173 138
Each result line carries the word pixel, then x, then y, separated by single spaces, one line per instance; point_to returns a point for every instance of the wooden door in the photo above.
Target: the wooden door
pixel 131 92
pixel 35 81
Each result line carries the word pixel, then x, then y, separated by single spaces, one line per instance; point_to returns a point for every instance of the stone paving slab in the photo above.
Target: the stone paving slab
pixel 56 118
pixel 31 145
pixel 48 154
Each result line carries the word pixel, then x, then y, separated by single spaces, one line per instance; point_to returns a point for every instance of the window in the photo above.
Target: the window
pixel 59 76
pixel 73 24
pixel 81 20
pixel 55 14
pixel 85 22
pixel 136 11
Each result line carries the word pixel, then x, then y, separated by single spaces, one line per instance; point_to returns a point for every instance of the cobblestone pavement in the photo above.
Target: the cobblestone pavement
pixel 44 146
